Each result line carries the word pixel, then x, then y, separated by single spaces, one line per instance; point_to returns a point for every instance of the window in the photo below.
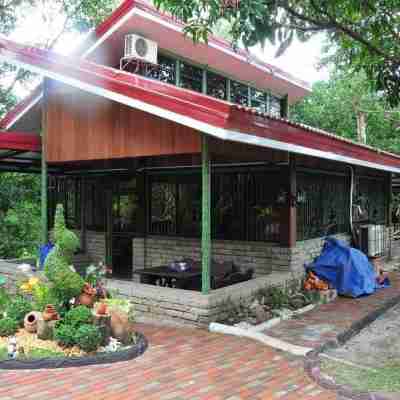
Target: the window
pixel 369 198
pixel 216 85
pixel 163 208
pixel 189 208
pixel 275 106
pixel 95 206
pixel 258 100
pixel 72 203
pixel 239 93
pixel 191 77
pixel 166 71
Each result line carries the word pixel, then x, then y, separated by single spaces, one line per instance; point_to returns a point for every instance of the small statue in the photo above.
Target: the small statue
pixel 12 347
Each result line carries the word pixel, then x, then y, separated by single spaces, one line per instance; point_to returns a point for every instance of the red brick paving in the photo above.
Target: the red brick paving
pixel 329 320
pixel 180 364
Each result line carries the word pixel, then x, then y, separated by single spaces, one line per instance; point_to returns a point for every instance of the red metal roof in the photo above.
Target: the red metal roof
pixel 19 141
pixel 205 114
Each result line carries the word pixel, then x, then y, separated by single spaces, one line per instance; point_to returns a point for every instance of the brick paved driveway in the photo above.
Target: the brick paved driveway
pixel 180 364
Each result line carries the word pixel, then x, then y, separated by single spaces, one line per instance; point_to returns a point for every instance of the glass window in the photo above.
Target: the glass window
pixel 274 106
pixel 72 203
pixel 191 77
pixel 239 93
pixel 95 206
pixel 216 85
pixel 163 208
pixel 258 100
pixel 189 209
pixel 166 71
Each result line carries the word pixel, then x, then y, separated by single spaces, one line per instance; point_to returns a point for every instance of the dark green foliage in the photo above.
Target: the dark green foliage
pixel 88 337
pixel 4 300
pixel 78 316
pixel 65 335
pixel 8 326
pixel 66 283
pixel 361 33
pixel 18 308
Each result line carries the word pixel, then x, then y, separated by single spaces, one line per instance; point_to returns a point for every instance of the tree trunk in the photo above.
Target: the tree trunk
pixel 361 127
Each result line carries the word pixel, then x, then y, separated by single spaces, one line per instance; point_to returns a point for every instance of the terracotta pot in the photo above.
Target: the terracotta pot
pixel 31 321
pixel 86 299
pixel 102 309
pixel 50 313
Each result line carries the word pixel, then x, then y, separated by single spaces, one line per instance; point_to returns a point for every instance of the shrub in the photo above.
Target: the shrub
pixel 88 337
pixel 66 284
pixel 18 308
pixel 65 335
pixel 8 326
pixel 78 316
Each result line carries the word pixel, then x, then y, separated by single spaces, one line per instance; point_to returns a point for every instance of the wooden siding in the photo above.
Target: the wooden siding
pixel 82 127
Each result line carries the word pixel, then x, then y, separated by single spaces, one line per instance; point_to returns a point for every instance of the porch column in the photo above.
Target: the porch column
pixel 288 229
pixel 206 216
pixel 44 178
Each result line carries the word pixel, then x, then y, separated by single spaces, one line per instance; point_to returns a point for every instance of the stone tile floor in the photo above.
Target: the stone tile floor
pixel 187 364
pixel 314 328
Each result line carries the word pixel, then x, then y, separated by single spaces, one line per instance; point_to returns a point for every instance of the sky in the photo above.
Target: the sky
pixel 300 59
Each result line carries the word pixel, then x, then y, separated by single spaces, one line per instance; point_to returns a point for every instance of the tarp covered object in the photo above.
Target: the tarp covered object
pixel 347 269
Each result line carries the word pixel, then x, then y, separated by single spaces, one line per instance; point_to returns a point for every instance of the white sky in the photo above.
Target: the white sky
pixel 300 59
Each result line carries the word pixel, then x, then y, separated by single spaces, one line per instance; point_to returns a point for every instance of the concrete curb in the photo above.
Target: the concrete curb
pixel 312 362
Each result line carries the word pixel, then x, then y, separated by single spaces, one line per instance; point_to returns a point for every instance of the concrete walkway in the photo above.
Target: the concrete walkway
pixel 180 364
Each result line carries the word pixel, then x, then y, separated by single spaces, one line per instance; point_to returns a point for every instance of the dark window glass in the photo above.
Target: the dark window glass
pixel 369 201
pixel 189 209
pixel 239 93
pixel 258 100
pixel 326 202
pixel 275 106
pixel 166 70
pixel 72 203
pixel 216 85
pixel 95 206
pixel 191 77
pixel 163 208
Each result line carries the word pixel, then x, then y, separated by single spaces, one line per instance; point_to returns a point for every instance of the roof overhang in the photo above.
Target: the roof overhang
pixel 20 152
pixel 207 115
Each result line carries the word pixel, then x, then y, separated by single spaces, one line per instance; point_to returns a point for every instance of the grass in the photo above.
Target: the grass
pixel 33 354
pixel 385 379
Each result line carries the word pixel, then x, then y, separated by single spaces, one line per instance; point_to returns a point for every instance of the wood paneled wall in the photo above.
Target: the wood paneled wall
pixel 82 126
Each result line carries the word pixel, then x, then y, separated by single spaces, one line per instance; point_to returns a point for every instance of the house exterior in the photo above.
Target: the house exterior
pixel 192 157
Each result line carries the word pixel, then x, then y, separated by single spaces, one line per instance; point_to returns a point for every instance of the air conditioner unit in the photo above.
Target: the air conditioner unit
pixel 372 239
pixel 140 48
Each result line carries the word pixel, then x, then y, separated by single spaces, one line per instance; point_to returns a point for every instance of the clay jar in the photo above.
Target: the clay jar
pixel 31 321
pixel 87 296
pixel 50 313
pixel 102 309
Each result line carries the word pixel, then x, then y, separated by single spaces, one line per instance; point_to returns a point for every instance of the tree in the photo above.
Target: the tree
pixel 335 106
pixel 365 31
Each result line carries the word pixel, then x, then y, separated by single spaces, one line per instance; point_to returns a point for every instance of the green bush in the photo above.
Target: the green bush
pixel 88 337
pixel 42 295
pixel 8 326
pixel 66 284
pixel 64 335
pixel 18 308
pixel 78 316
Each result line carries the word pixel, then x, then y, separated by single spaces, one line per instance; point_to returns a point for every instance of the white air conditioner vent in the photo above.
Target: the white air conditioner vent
pixel 140 48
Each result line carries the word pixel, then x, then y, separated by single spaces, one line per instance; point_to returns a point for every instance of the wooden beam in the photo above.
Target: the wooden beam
pixel 206 216
pixel 288 230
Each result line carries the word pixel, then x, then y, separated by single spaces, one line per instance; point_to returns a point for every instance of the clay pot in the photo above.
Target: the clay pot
pixel 31 321
pixel 86 299
pixel 50 313
pixel 102 309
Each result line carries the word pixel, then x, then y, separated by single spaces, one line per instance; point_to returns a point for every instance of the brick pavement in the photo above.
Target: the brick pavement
pixel 334 319
pixel 186 364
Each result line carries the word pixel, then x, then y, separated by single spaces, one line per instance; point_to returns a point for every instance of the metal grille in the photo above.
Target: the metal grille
pixel 327 203
pixel 163 208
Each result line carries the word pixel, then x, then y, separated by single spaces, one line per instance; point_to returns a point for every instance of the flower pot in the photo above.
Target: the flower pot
pixel 102 309
pixel 31 321
pixel 86 299
pixel 50 313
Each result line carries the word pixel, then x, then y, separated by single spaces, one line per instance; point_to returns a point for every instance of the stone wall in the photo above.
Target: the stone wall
pixel 262 256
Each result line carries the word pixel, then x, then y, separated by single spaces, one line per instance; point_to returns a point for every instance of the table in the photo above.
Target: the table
pixel 167 277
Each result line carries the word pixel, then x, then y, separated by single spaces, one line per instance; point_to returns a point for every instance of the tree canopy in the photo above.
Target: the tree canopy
pixel 366 33
pixel 333 106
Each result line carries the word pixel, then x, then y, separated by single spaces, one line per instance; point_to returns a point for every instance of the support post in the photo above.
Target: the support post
pixel 285 107
pixel 44 177
pixel 83 214
pixel 206 216
pixel 289 211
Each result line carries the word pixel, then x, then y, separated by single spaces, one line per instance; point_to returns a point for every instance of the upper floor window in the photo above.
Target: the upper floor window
pixel 166 71
pixel 216 86
pixel 239 93
pixel 259 100
pixel 275 106
pixel 191 77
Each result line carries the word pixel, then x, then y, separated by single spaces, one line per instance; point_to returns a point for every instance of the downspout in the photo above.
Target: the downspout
pixel 351 202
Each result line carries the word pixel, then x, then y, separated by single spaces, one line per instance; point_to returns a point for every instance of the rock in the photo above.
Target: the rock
pixel 261 314
pixel 45 329
pixel 120 327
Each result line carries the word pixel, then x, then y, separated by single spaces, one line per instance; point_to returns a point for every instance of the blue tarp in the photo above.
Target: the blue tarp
pixel 43 253
pixel 348 270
